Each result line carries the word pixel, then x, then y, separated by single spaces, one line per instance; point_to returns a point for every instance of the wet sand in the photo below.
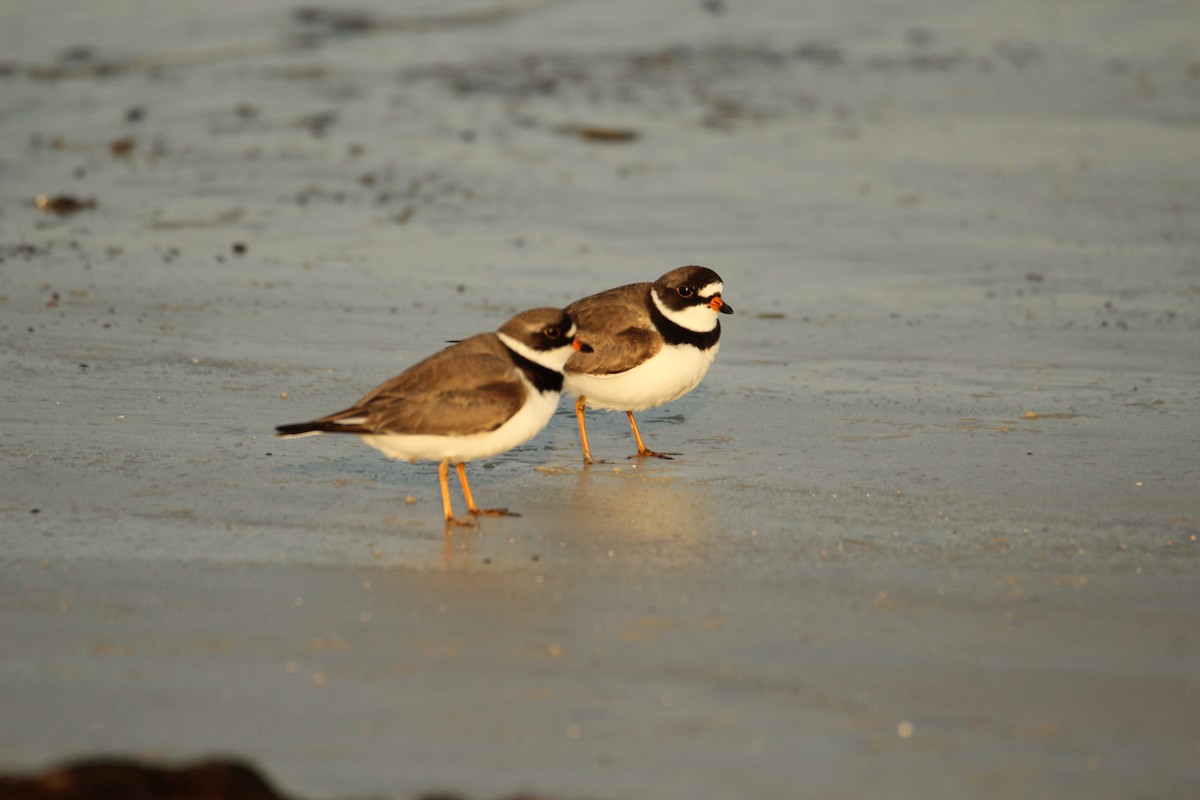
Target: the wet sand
pixel 933 528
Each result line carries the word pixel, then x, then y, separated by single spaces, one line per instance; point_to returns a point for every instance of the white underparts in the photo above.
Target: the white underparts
pixel 670 374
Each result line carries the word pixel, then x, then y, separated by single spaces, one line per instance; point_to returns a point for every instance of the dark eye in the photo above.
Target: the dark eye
pixel 686 291
pixel 552 332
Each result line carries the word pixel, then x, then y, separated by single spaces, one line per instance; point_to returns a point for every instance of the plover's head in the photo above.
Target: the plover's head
pixel 691 297
pixel 545 336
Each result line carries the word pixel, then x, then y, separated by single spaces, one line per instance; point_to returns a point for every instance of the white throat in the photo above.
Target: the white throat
pixel 700 319
pixel 555 359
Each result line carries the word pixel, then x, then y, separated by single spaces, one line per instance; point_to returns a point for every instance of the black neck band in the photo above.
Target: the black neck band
pixel 543 379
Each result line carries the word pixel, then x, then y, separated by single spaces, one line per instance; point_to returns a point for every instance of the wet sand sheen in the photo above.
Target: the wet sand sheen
pixel 934 522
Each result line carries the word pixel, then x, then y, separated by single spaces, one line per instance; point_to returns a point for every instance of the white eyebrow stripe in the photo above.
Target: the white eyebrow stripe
pixel 711 289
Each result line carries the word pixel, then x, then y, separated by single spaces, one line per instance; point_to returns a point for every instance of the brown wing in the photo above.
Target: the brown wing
pixel 470 387
pixel 617 325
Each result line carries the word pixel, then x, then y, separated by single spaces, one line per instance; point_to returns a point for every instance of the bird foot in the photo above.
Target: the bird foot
pixel 493 512
pixel 653 454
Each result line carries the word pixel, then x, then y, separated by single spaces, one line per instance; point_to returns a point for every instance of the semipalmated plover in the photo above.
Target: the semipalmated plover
pixel 652 343
pixel 478 397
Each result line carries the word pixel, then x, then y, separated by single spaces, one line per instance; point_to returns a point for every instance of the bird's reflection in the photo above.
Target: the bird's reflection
pixel 647 511
pixel 597 513
pixel 522 583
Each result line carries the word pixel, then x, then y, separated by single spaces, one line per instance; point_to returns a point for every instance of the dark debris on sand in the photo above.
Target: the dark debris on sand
pixel 121 779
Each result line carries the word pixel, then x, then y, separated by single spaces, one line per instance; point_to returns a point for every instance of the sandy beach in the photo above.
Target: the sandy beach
pixel 932 532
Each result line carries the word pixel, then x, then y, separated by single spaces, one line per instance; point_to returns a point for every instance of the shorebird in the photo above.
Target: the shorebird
pixel 651 343
pixel 479 397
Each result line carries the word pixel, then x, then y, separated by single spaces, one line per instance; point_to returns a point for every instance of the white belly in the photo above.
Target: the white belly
pixel 520 428
pixel 670 374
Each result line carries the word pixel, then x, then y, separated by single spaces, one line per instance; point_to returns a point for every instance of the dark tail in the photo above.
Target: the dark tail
pixel 317 426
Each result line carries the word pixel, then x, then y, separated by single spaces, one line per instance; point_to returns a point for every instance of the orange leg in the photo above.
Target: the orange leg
pixel 580 405
pixel 642 450
pixel 472 509
pixel 447 509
